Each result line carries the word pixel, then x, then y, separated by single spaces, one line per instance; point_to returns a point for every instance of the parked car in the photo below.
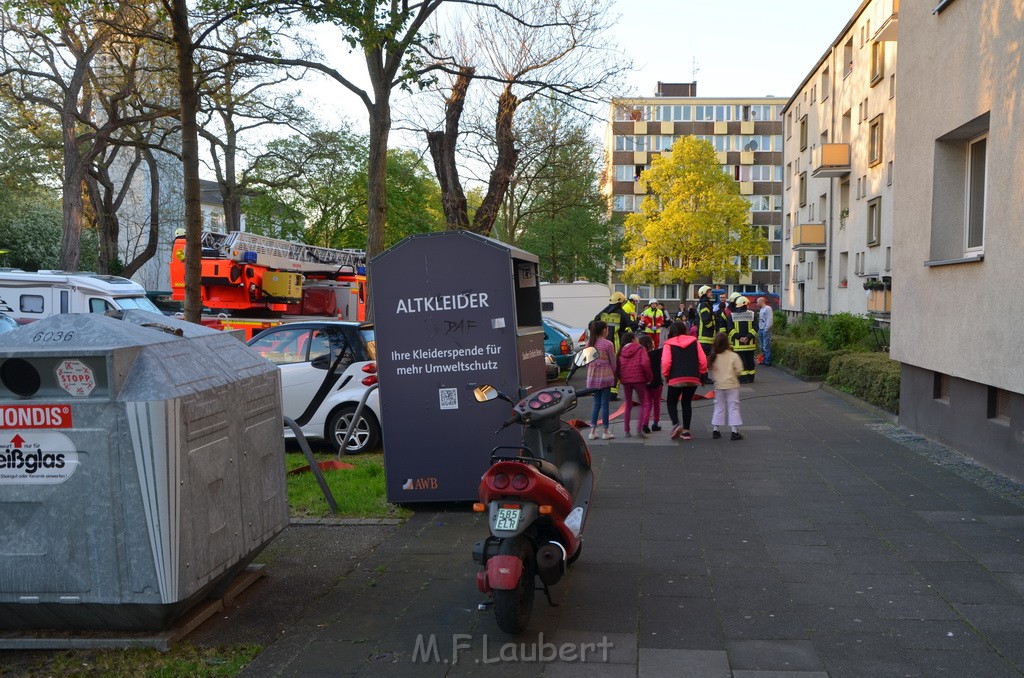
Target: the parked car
pixel 558 344
pixel 552 366
pixel 578 334
pixel 326 368
pixel 7 323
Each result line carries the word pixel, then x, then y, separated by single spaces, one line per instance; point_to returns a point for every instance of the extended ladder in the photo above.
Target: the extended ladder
pixel 281 254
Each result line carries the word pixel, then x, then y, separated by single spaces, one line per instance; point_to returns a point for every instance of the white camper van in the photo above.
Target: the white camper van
pixel 573 304
pixel 31 296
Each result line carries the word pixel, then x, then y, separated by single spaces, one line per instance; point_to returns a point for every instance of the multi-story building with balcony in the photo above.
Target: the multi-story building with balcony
pixel 746 133
pixel 959 248
pixel 839 163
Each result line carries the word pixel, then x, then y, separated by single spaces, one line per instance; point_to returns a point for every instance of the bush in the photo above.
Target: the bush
pixel 843 330
pixel 873 377
pixel 807 327
pixel 806 358
pixel 781 320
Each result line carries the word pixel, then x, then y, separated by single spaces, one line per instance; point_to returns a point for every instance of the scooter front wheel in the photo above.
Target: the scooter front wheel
pixel 512 607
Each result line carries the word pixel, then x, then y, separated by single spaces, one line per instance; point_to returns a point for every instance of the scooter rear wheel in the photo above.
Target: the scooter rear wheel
pixel 513 607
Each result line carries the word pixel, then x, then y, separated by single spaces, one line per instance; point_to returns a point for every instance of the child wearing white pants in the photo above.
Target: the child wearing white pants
pixel 725 367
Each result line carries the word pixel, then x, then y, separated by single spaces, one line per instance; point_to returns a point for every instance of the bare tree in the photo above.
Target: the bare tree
pixel 241 97
pixel 50 59
pixel 528 49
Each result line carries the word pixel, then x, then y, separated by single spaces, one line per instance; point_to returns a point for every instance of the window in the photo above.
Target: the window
pixel 826 84
pixel 999 404
pixel 874 222
pixel 877 62
pixel 958 194
pixel 776 262
pixel 785 279
pixel 821 271
pixel 976 171
pixel 875 141
pixel 888 174
pixel 100 306
pixel 888 258
pixel 940 387
pixel 848 57
pixel 892 85
pixel 31 303
pixel 789 125
pixel 803 189
pixel 760 263
pixel 803 133
pixel 627 203
pixel 789 174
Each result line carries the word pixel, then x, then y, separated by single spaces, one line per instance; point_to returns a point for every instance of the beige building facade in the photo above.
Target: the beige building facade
pixel 959 249
pixel 839 163
pixel 746 133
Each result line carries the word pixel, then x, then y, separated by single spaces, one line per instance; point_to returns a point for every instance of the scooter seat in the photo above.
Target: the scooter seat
pixel 551 471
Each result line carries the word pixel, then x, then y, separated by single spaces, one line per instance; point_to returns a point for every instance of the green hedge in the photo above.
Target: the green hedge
pixel 873 377
pixel 807 358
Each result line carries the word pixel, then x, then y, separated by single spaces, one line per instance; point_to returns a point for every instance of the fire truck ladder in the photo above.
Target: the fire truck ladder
pixel 281 254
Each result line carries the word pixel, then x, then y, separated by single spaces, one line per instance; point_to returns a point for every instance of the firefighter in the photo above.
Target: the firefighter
pixel 630 306
pixel 705 319
pixel 652 320
pixel 723 319
pixel 743 338
pixel 619 323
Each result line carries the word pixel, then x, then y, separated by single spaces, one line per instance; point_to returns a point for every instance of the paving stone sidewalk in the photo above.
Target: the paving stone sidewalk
pixel 815 547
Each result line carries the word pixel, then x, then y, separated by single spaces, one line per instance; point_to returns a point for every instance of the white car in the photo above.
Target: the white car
pixel 578 334
pixel 326 368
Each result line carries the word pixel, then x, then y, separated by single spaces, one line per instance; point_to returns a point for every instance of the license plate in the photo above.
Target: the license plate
pixel 507 519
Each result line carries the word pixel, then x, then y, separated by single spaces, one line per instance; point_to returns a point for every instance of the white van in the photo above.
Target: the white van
pixel 574 304
pixel 31 296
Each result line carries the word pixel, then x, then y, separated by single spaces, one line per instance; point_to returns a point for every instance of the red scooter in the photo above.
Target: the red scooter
pixel 537 496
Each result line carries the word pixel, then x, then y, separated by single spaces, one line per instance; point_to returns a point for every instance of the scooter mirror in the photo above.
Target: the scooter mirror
pixel 484 393
pixel 585 357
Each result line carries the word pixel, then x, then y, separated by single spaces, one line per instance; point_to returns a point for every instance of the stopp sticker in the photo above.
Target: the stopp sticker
pixel 36 458
pixel 76 377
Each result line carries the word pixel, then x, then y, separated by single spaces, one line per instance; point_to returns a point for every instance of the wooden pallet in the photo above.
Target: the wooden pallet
pixel 159 640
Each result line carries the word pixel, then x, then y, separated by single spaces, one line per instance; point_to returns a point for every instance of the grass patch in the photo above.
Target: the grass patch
pixel 360 492
pixel 183 659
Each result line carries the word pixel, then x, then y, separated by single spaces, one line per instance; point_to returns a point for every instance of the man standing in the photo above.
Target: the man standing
pixel 630 306
pixel 652 320
pixel 743 338
pixel 705 319
pixel 765 320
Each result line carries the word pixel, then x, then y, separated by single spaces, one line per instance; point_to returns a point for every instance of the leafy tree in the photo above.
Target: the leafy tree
pixel 692 224
pixel 31 224
pixel 553 207
pixel 314 188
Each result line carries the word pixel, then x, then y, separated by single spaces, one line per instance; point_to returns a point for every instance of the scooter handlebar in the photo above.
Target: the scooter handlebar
pixel 586 391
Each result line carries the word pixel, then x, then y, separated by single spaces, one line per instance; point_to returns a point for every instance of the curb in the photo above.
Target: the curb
pixel 862 404
pixel 328 521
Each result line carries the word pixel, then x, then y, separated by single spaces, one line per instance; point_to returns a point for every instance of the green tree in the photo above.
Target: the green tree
pixel 693 222
pixel 554 208
pixel 314 188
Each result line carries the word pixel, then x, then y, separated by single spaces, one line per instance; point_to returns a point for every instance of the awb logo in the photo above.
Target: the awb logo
pixel 428 483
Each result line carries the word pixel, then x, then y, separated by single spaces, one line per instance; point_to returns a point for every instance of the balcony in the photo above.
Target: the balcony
pixel 809 237
pixel 887 28
pixel 831 160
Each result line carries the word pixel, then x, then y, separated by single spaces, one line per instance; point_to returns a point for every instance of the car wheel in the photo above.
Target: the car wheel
pixel 364 438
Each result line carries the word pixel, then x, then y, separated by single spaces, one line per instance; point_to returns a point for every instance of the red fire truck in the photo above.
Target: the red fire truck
pixel 254 282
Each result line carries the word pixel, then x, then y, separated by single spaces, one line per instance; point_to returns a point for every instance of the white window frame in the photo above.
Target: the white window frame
pixel 969 196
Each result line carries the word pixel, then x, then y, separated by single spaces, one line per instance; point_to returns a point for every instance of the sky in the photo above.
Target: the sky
pixel 740 48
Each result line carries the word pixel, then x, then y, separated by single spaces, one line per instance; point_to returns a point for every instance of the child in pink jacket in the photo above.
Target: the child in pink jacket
pixel 634 373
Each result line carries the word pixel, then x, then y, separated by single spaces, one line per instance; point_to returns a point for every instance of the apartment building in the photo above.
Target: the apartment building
pixel 959 248
pixel 746 133
pixel 839 172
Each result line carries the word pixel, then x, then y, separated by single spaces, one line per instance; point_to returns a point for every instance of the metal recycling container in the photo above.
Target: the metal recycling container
pixel 451 310
pixel 141 466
